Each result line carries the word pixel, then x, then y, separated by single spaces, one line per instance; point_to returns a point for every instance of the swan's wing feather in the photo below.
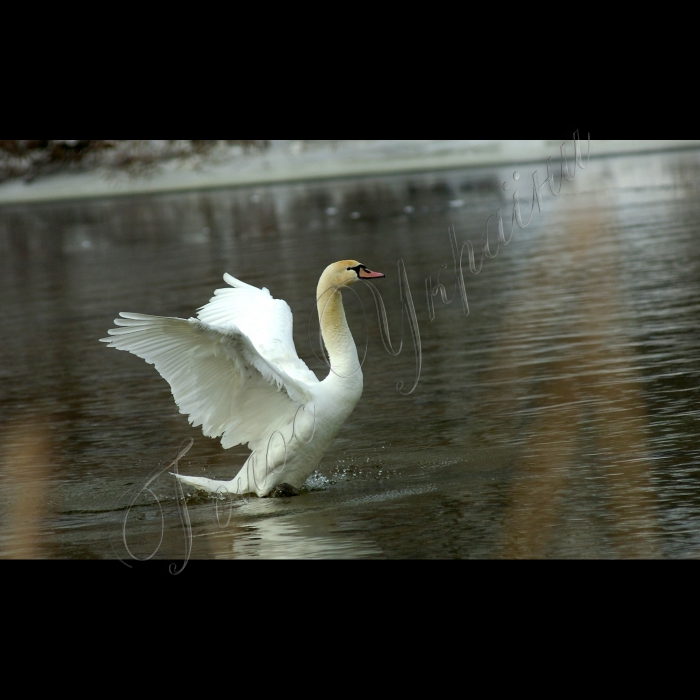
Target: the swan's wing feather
pixel 217 376
pixel 266 321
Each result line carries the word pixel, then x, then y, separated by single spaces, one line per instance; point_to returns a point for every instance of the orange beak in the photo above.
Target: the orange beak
pixel 368 274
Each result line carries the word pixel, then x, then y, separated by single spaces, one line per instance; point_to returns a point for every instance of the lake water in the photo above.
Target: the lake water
pixel 560 419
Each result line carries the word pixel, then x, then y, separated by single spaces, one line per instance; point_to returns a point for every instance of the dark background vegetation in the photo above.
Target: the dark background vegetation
pixel 31 159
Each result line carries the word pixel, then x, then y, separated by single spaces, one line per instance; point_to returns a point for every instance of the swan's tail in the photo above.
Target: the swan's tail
pixel 213 486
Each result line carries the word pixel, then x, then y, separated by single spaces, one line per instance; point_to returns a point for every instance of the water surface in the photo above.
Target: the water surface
pixel 559 419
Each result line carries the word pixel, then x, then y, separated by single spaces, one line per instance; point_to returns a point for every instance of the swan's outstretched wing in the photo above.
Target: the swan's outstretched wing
pixel 217 376
pixel 266 321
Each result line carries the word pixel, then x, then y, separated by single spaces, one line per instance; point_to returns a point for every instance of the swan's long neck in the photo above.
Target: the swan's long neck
pixel 336 334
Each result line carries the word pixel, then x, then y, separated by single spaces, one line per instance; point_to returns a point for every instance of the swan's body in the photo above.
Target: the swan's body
pixel 235 371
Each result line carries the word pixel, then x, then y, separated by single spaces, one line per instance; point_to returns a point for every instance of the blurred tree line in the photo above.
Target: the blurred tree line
pixel 30 159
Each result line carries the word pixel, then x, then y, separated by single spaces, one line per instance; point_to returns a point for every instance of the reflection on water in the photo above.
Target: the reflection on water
pixel 559 419
pixel 578 402
pixel 26 478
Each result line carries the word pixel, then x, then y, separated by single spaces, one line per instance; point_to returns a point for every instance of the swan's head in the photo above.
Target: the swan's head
pixel 345 272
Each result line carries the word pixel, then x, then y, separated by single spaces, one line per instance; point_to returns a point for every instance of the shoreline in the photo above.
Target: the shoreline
pixel 285 163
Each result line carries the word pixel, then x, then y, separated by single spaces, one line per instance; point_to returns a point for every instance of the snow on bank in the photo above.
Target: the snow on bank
pixel 286 161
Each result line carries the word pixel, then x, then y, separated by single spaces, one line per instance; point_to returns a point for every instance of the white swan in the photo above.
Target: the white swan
pixel 235 371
